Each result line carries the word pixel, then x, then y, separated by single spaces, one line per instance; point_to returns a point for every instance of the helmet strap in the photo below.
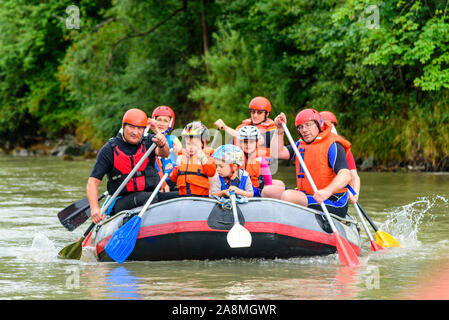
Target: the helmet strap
pixel 231 165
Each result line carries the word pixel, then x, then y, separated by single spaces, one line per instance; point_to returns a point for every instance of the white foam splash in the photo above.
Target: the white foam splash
pixel 42 248
pixel 405 222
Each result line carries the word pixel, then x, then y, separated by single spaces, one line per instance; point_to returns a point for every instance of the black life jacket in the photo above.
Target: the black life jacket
pixel 146 177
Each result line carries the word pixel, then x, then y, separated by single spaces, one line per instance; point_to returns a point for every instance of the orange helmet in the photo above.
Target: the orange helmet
pixel 329 116
pixel 167 112
pixel 260 103
pixel 135 117
pixel 307 115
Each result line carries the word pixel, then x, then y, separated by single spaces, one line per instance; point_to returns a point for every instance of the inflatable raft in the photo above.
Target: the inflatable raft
pixel 196 228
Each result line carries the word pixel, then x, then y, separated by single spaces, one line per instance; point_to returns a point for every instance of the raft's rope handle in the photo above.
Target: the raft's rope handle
pixel 226 202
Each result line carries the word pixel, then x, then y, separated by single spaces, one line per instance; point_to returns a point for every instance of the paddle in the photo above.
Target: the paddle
pixel 238 236
pixel 77 213
pixel 382 238
pixel 122 242
pixel 374 245
pixel 345 252
pixel 74 250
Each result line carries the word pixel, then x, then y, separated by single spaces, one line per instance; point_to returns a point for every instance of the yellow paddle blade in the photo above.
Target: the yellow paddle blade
pixel 386 240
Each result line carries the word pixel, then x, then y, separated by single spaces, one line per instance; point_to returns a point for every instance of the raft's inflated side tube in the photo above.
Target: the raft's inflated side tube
pixel 196 228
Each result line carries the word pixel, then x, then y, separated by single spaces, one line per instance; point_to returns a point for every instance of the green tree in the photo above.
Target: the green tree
pixel 137 57
pixel 33 40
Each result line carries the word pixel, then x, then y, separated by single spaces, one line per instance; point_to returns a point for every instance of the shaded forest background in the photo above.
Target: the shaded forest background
pixel 381 67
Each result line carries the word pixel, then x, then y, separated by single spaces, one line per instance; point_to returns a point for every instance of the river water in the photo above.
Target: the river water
pixel 411 206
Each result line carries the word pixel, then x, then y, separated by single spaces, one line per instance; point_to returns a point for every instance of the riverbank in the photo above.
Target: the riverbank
pixel 69 148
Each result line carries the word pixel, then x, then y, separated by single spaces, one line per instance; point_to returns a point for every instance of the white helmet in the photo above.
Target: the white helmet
pixel 248 133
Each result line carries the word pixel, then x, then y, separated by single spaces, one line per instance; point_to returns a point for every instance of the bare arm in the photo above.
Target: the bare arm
pixel 222 126
pixel 241 192
pixel 282 151
pixel 92 196
pixel 162 149
pixel 355 182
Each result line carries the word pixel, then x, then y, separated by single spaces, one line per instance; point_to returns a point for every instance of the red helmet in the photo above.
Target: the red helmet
pixel 135 117
pixel 165 111
pixel 329 116
pixel 260 103
pixel 307 115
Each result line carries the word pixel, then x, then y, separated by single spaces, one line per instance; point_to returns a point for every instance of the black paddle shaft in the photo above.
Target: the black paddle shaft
pixel 75 214
pixel 367 217
pixel 92 225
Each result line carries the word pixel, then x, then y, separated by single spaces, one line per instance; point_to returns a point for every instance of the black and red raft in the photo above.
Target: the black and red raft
pixel 196 228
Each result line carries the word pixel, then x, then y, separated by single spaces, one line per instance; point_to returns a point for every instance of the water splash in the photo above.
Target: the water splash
pixel 405 222
pixel 42 249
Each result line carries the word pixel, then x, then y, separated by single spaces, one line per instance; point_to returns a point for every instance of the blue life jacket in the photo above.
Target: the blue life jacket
pixel 172 157
pixel 236 182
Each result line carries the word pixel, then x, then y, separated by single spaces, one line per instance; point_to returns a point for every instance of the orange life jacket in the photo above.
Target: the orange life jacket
pixel 316 159
pixel 192 176
pixel 267 125
pixel 252 166
pixel 161 173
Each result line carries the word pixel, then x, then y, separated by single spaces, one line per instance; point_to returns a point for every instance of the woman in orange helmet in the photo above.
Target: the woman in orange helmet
pixel 117 158
pixel 259 109
pixel 165 118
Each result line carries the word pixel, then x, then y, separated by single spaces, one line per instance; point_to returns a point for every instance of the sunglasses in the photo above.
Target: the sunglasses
pixel 257 111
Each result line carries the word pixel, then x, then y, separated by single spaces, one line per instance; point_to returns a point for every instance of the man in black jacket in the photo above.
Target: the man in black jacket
pixel 118 157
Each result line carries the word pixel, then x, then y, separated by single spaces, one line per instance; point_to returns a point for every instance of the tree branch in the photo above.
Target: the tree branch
pixel 136 34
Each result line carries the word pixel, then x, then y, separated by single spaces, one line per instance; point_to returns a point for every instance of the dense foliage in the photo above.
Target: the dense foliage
pixel 383 68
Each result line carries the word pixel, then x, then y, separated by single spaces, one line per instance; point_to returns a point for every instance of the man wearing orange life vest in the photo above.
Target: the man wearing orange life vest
pixel 324 154
pixel 355 179
pixel 117 158
pixel 259 108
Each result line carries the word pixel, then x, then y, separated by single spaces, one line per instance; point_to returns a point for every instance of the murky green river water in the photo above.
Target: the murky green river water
pixel 411 206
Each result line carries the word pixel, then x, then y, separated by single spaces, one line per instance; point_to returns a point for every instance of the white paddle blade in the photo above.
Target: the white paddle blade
pixel 239 237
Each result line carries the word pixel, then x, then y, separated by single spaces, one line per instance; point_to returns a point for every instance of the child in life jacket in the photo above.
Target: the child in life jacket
pixel 165 119
pixel 254 158
pixel 194 167
pixel 231 177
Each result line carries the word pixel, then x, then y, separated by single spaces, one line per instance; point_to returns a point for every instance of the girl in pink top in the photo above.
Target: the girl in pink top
pixel 255 163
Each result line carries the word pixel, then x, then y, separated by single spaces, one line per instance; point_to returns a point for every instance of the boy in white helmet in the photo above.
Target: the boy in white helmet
pixel 229 159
